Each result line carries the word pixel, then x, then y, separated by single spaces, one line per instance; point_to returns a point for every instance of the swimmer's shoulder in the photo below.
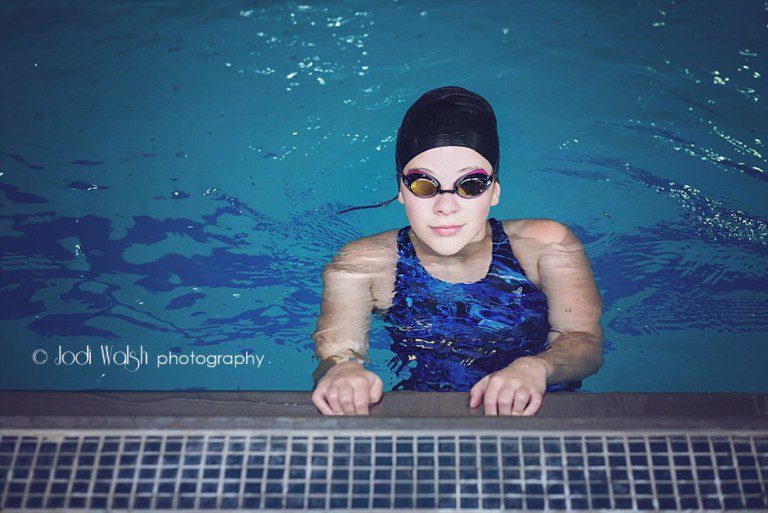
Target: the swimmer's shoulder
pixel 384 246
pixel 542 230
pixel 373 258
pixel 378 252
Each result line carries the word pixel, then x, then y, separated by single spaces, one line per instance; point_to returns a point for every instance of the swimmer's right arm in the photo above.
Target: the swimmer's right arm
pixel 343 386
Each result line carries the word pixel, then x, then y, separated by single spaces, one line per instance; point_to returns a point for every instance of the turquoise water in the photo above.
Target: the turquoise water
pixel 171 173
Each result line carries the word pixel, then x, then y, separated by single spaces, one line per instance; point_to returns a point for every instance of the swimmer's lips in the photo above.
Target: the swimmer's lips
pixel 445 232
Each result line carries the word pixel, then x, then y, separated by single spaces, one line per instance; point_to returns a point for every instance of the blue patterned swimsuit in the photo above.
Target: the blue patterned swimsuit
pixel 450 335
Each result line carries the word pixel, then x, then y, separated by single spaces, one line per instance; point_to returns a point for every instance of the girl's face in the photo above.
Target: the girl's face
pixel 446 164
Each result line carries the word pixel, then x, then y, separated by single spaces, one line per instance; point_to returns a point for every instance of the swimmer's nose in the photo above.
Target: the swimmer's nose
pixel 447 204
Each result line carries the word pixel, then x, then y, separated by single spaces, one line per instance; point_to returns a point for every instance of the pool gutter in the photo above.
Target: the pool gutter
pixel 402 410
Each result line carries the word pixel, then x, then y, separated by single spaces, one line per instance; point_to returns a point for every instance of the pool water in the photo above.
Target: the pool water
pixel 171 173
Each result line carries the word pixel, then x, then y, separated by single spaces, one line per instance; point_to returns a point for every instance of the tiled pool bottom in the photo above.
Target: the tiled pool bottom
pixel 179 470
pixel 57 453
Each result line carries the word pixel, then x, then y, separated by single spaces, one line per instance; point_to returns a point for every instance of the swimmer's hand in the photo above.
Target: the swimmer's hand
pixel 517 389
pixel 347 389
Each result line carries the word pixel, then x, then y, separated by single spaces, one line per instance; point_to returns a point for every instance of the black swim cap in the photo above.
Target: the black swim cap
pixel 446 116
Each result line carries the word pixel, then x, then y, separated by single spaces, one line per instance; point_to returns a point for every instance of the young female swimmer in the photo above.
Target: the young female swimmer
pixel 507 310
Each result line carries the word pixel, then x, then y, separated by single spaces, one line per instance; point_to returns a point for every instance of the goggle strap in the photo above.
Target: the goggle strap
pixel 370 206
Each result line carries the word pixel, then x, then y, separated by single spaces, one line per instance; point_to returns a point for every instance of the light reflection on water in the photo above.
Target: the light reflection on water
pixel 171 174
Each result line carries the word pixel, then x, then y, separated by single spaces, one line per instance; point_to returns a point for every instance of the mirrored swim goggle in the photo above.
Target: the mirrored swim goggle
pixel 471 185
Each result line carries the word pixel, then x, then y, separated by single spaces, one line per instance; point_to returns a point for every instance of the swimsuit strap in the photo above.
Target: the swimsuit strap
pixel 503 255
pixel 500 245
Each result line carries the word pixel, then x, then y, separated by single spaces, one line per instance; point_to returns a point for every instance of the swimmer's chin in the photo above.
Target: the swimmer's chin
pixel 447 248
pixel 441 245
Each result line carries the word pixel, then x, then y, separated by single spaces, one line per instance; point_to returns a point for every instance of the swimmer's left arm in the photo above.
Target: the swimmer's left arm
pixel 575 305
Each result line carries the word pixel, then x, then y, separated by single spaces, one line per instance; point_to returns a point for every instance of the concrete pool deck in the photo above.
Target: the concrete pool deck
pixel 570 411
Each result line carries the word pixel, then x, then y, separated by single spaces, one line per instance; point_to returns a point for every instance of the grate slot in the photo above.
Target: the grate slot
pixel 371 471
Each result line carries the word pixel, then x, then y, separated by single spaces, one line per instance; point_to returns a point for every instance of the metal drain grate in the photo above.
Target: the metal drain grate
pixel 388 470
